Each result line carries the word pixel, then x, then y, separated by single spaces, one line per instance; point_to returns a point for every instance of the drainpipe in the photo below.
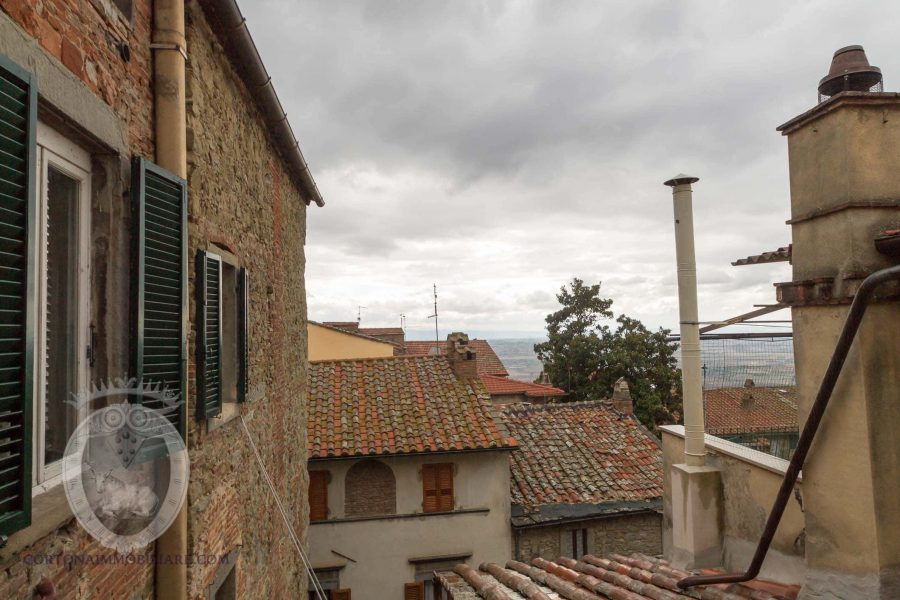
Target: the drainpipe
pixel 169 57
pixel 692 388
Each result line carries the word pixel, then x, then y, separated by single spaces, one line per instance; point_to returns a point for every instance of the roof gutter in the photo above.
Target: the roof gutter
pixel 229 24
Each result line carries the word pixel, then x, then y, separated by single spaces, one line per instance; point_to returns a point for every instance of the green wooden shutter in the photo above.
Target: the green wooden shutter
pixel 244 335
pixel 161 308
pixel 18 291
pixel 209 335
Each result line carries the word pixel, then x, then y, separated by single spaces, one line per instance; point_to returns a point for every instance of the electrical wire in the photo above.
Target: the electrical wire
pixel 317 587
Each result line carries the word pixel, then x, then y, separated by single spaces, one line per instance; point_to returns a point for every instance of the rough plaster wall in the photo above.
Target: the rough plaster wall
pixel 242 199
pixel 623 535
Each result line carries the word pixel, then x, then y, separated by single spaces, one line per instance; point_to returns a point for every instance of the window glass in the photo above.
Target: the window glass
pixel 230 320
pixel 61 326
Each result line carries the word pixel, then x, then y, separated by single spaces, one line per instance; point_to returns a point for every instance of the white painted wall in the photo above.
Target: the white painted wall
pixel 378 550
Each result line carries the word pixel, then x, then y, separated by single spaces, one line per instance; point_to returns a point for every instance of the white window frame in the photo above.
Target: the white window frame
pixel 64 155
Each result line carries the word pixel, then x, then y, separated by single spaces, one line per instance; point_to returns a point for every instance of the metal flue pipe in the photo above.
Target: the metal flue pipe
pixel 692 385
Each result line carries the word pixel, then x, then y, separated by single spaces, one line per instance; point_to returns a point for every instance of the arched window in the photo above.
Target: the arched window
pixel 370 489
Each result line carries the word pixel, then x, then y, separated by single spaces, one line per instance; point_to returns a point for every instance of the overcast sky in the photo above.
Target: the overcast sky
pixel 501 148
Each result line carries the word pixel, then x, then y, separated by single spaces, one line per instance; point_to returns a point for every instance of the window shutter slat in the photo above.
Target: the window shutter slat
pixel 244 336
pixel 18 272
pixel 318 495
pixel 340 595
pixel 429 489
pixel 414 591
pixel 437 484
pixel 209 335
pixel 160 295
pixel 445 487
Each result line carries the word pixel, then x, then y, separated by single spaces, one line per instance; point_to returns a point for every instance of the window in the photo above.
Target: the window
pixel 329 580
pixel 63 284
pixel 429 587
pixel 414 591
pixel 318 495
pixel 437 484
pixel 223 334
pixel 575 543
pixel 370 489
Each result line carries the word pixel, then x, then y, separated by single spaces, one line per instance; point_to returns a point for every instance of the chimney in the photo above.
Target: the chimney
pixel 845 186
pixel 461 357
pixel 621 397
pixel 850 72
pixel 747 398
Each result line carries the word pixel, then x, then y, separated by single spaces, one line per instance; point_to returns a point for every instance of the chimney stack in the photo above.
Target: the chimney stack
pixel 461 357
pixel 747 398
pixel 621 397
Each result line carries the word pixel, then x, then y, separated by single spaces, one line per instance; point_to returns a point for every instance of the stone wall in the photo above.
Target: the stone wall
pixel 94 71
pixel 624 534
pixel 243 201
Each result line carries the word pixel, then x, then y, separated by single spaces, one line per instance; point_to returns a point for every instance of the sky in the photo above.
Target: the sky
pixel 500 148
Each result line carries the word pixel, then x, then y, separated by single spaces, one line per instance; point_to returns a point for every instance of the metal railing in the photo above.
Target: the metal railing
pixel 848 334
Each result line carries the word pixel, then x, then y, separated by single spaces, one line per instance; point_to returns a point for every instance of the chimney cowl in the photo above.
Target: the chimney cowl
pixel 850 71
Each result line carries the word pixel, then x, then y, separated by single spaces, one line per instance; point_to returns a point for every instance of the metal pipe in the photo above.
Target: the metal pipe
pixel 232 29
pixel 691 375
pixel 169 54
pixel 841 350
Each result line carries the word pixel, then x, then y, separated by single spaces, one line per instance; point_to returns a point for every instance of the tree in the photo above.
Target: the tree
pixel 585 355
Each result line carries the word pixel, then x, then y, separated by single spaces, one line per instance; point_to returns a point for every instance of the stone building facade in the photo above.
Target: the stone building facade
pixel 623 534
pixel 92 64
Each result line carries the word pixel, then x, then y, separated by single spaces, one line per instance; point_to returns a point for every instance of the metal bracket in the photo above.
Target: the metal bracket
pixel 169 46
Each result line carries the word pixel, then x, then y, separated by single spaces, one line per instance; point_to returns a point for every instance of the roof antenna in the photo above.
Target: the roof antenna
pixel 359 310
pixel 437 337
pixel 402 321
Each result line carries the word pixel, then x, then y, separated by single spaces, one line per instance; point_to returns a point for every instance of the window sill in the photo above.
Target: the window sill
pixel 49 511
pixel 230 412
pixel 464 511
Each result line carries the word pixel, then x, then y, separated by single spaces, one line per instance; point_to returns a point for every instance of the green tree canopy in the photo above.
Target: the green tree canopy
pixel 587 351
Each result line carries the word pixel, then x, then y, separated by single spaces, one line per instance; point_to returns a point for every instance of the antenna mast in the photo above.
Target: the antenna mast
pixel 437 337
pixel 359 309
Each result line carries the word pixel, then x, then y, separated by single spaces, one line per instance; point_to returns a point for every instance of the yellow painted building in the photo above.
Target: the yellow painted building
pixel 331 343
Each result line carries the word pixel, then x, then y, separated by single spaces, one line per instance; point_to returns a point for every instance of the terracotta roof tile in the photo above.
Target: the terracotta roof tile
pixel 503 385
pixel 375 331
pixel 635 577
pixel 581 452
pixel 488 361
pixel 770 409
pixel 398 405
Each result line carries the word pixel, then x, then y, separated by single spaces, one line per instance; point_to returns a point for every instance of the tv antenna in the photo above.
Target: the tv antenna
pixel 437 337
pixel 402 321
pixel 359 310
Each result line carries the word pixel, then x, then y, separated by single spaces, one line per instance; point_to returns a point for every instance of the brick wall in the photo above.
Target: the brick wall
pixel 370 489
pixel 242 199
pixel 625 534
pixel 109 53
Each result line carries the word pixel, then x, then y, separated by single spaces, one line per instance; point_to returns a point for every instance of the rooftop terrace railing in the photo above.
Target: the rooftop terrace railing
pixel 826 388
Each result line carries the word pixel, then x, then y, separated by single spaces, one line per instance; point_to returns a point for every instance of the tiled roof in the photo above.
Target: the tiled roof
pixel 782 254
pixel 354 332
pixel 342 324
pixel 771 409
pixel 503 385
pixel 381 330
pixel 398 405
pixel 581 453
pixel 488 361
pixel 635 577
